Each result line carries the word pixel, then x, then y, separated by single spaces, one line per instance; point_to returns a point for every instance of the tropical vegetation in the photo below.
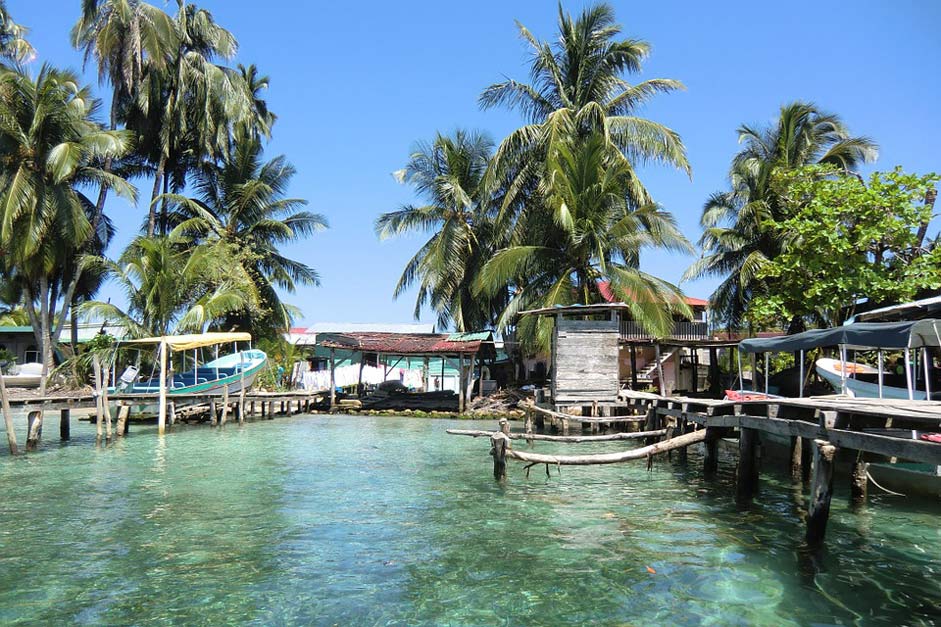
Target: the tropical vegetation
pixel 740 225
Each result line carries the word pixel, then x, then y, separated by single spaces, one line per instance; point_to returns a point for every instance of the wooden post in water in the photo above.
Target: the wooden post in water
pixel 860 481
pixel 99 410
pixel 681 430
pixel 797 457
pixel 714 386
pixel 31 419
pixel 359 382
pixel 225 404
pixel 499 443
pixel 747 480
pixel 8 418
pixel 162 404
pixel 123 412
pixel 242 405
pixel 212 412
pixel 105 403
pixel 270 410
pixel 171 413
pixel 65 426
pixel 821 492
pixel 711 457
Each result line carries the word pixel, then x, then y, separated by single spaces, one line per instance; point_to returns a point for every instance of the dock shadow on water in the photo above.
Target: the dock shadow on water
pixel 388 521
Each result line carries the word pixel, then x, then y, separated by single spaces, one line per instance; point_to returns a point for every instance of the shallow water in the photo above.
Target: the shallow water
pixel 388 521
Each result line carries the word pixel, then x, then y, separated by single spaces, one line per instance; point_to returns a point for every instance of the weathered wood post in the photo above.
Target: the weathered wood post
pixel 65 424
pixel 99 408
pixel 359 381
pixel 270 410
pixel 860 481
pixel 8 418
pixel 747 479
pixel 31 419
pixel 711 457
pixel 106 403
pixel 171 413
pixel 681 427
pixel 663 385
pixel 123 412
pixel 499 443
pixel 797 457
pixel 714 384
pixel 652 422
pixel 821 492
pixel 212 412
pixel 241 405
pixel 225 405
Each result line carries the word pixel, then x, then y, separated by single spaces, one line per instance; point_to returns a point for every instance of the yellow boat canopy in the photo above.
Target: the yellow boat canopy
pixel 194 340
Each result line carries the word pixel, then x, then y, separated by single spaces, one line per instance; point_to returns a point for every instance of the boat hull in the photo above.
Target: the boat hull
pixel 828 369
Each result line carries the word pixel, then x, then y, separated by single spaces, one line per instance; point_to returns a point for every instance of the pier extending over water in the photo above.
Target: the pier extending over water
pixel 816 429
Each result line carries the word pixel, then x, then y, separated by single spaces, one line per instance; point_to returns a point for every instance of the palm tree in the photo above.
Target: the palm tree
pixel 447 173
pixel 13 44
pixel 586 232
pixel 582 73
pixel 739 224
pixel 50 148
pixel 188 106
pixel 173 286
pixel 242 202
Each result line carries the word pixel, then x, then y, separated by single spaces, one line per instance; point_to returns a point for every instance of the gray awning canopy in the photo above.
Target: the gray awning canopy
pixel 861 335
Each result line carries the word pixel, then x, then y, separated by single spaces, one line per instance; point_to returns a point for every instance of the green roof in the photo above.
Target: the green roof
pixel 475 336
pixel 26 329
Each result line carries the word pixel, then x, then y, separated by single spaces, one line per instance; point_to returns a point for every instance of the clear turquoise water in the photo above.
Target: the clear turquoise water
pixel 387 521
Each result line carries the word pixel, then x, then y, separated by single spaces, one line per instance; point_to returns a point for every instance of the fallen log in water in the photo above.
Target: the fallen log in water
pixel 562 438
pixel 610 458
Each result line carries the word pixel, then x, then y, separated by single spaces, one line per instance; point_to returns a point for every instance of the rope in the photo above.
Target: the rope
pixel 886 490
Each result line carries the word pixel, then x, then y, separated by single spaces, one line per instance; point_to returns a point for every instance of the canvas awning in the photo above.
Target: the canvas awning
pixel 194 340
pixel 861 335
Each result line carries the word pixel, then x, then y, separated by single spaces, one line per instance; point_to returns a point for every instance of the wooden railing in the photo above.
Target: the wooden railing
pixel 682 330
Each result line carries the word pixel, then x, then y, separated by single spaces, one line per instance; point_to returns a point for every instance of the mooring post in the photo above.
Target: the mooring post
pixel 123 412
pixel 242 406
pixel 212 412
pixel 681 430
pixel 797 454
pixel 747 480
pixel 499 443
pixel 820 492
pixel 171 413
pixel 860 481
pixel 651 423
pixel 270 410
pixel 711 457
pixel 225 405
pixel 64 424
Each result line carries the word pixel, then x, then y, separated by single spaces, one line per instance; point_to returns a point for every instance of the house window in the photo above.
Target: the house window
pixel 31 355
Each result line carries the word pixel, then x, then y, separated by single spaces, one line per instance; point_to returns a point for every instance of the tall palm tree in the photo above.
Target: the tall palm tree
pixel 739 224
pixel 14 46
pixel 447 173
pixel 583 73
pixel 587 233
pixel 242 202
pixel 173 286
pixel 51 148
pixel 188 105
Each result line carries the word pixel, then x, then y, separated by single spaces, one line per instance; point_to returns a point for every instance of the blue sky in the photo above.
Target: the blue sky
pixel 356 84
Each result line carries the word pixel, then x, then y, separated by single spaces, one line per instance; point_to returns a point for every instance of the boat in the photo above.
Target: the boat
pixel 25 376
pixel 230 373
pixel 917 341
pixel 862 380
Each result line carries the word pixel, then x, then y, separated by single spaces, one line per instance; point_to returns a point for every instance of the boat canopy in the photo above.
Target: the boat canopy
pixel 860 335
pixel 194 340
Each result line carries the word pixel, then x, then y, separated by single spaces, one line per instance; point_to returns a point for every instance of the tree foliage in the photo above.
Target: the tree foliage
pixel 846 239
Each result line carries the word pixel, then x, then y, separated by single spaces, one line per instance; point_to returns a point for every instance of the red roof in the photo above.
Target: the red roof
pixel 403 343
pixel 605 288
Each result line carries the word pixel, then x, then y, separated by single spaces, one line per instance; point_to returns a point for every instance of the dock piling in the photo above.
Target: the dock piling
pixel 747 479
pixel 711 457
pixel 65 424
pixel 821 492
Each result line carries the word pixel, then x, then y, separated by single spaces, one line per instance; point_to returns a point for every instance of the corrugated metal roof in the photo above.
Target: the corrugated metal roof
pixel 408 343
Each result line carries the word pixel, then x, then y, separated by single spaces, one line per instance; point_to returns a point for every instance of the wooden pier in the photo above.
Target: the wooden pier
pixel 214 409
pixel 817 430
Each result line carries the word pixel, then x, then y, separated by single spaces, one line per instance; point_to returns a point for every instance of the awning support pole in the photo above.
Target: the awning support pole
pixel 927 361
pixel 908 374
pixel 162 404
pixel 767 366
pixel 843 369
pixel 881 371
pixel 741 378
pixel 801 393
